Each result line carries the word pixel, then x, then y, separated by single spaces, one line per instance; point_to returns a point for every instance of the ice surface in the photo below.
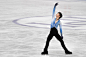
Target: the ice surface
pixel 25 25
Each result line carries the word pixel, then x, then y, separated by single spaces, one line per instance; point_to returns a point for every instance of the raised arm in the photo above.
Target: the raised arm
pixel 53 14
pixel 54 10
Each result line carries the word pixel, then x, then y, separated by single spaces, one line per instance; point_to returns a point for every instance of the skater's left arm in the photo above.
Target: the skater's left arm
pixel 60 29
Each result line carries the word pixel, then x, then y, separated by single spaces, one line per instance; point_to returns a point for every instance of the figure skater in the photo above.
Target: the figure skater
pixel 54 32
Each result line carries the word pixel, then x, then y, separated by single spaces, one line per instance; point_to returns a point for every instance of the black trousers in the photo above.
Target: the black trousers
pixel 54 32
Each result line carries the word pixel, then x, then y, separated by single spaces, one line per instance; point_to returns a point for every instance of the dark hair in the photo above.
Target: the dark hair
pixel 60 15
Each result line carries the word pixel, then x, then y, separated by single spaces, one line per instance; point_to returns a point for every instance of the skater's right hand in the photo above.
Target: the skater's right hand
pixel 56 4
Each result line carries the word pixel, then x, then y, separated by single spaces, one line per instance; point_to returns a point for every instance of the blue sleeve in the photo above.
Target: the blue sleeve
pixel 60 28
pixel 52 23
pixel 53 12
pixel 53 19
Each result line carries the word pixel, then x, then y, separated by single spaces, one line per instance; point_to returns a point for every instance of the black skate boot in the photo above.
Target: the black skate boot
pixel 44 53
pixel 68 52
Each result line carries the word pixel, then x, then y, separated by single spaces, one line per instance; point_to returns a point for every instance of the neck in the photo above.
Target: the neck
pixel 57 18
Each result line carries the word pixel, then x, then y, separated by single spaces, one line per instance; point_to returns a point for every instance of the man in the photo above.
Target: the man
pixel 54 32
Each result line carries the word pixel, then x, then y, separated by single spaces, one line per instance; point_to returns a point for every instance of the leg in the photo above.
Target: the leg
pixel 47 43
pixel 62 43
pixel 50 36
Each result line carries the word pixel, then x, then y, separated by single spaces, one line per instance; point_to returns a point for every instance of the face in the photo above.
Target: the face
pixel 57 15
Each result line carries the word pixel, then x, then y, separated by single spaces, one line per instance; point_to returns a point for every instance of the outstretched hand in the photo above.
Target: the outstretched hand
pixel 56 4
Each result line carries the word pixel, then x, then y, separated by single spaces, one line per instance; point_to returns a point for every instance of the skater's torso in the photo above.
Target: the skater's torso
pixel 55 23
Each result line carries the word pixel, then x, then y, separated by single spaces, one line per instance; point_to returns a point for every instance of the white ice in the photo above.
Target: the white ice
pixel 25 25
